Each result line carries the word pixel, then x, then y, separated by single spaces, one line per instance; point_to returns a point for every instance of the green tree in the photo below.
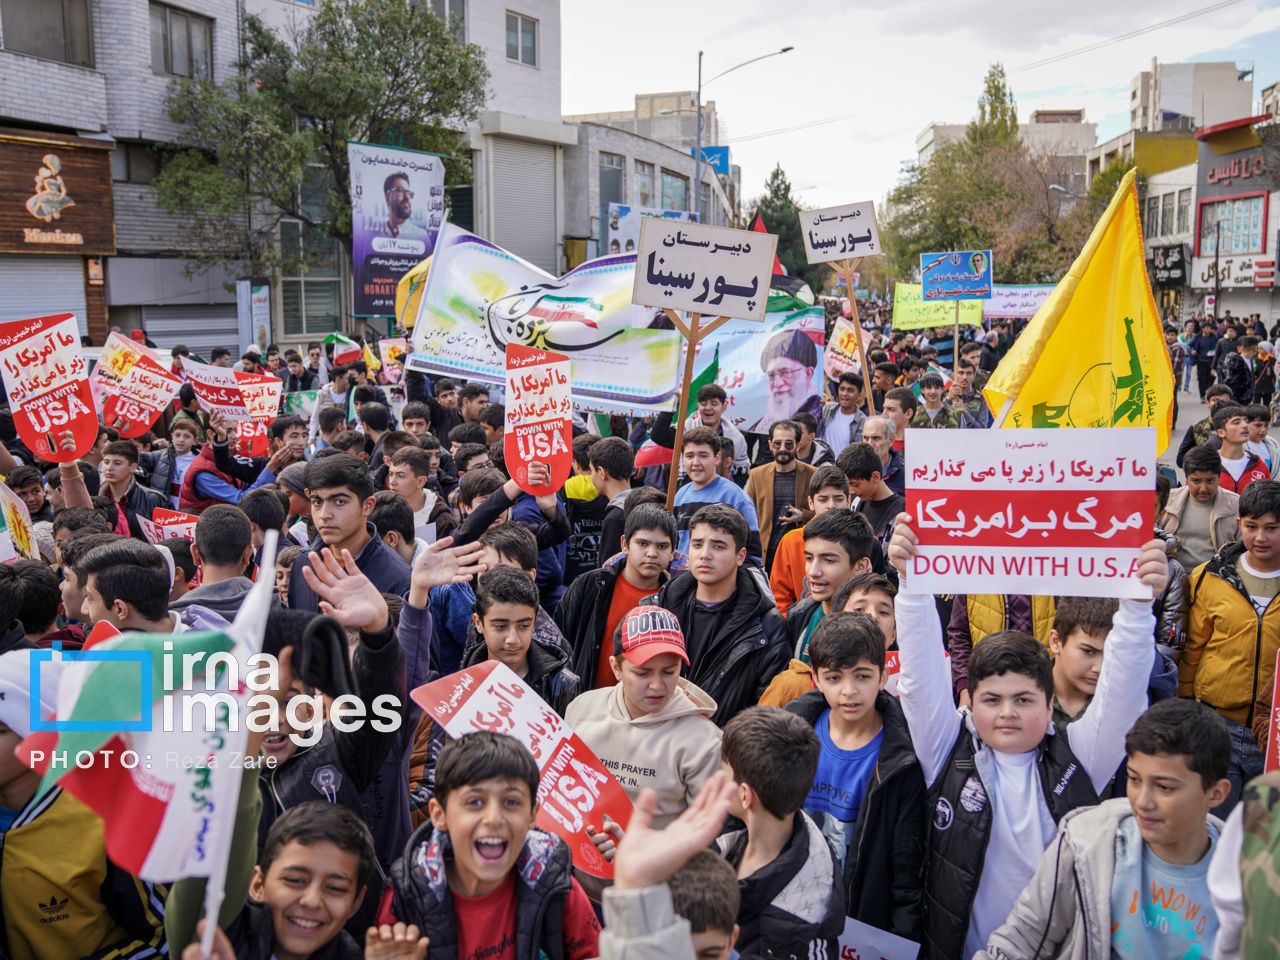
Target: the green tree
pixel 781 215
pixel 271 142
pixel 997 122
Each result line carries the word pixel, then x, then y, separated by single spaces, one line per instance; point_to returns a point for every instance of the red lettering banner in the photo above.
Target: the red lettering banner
pixel 47 381
pixel 538 428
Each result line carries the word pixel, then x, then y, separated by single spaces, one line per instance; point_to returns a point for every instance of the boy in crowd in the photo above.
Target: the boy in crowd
pixel 652 729
pixel 480 877
pixel 880 505
pixel 700 455
pixel 514 545
pixel 172 463
pixel 28 484
pixel 415 418
pixel 1260 440
pixel 1199 432
pixel 712 403
pixel 132 499
pixel 735 639
pixel 1201 513
pixel 837 546
pixel 506 608
pixel 1233 630
pixel 54 853
pixel 900 406
pixel 341 492
pixel 934 414
pixel 612 462
pixel 868 794
pixel 393 519
pixel 1001 777
pixel 71 550
pixel 841 421
pixel 331 421
pixel 1106 886
pixel 222 549
pixel 468 457
pixel 1240 467
pixel 788 876
pixel 780 489
pixel 125 582
pixel 408 475
pixel 828 490
pixel 285 559
pixel 810 449
pixel 592 608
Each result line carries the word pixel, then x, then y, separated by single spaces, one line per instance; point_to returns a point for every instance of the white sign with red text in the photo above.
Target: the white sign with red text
pixel 217 389
pixel 1272 758
pixel 539 406
pixel 861 941
pixel 576 789
pixel 47 382
pixel 165 524
pixel 1044 512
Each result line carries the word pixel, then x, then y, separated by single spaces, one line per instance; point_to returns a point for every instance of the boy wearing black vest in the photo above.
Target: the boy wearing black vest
pixel 1000 777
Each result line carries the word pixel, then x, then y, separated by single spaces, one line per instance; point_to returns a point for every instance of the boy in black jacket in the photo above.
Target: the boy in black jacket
pixel 788 875
pixel 868 795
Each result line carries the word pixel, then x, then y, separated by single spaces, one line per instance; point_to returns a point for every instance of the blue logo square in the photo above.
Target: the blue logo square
pixel 141 657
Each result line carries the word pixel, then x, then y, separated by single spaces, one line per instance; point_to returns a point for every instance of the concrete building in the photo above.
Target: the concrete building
pixel 1153 151
pixel 1054 133
pixel 1270 103
pixel 85 81
pixel 609 165
pixel 1168 230
pixel 1180 96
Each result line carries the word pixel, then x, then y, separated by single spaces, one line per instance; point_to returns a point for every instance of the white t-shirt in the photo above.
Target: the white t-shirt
pixel 1235 467
pixel 1261 449
pixel 1021 831
pixel 837 433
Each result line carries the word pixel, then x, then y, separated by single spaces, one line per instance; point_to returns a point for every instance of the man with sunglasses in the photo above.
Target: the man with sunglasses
pixel 776 488
pixel 399 208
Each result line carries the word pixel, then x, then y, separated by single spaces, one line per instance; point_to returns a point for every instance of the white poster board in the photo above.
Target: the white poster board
pixel 713 271
pixel 840 233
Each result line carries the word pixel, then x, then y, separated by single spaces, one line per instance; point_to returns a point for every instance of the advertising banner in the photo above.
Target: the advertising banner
pixel 1047 512
pixel 771 371
pixel 1009 302
pixel 479 298
pixel 576 789
pixel 840 233
pixel 1236 272
pixel 912 312
pixel 539 405
pixel 622 226
pixel 1168 265
pixel 131 388
pixel 959 275
pixel 48 385
pixel 397 209
pixel 714 271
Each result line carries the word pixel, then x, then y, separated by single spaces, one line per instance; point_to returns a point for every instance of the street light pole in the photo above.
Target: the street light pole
pixel 1217 274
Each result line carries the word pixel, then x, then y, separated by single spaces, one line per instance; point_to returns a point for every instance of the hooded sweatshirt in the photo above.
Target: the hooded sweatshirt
pixel 672 751
pixel 223 597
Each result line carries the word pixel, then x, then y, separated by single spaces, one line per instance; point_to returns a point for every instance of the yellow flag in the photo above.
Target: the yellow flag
pixel 409 294
pixel 370 360
pixel 1094 355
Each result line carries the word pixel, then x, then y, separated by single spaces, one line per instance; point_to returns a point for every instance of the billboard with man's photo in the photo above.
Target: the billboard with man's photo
pixel 397 207
pixel 621 230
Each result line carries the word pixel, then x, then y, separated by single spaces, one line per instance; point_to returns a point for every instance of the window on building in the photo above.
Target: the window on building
pixel 54 29
pixel 522 39
pixel 312 301
pixel 1238 223
pixel 1166 215
pixel 675 191
pixel 1151 222
pixel 612 178
pixel 455 11
pixel 704 203
pixel 1184 210
pixel 181 43
pixel 644 184
pixel 135 162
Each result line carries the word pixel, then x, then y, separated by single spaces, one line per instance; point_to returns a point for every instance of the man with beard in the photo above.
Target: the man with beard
pixel 776 488
pixel 788 362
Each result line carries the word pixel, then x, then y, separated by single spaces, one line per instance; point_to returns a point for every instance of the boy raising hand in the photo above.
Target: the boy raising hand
pixel 1000 776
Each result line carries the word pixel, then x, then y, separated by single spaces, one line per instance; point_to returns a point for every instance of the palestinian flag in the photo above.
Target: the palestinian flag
pixel 344 348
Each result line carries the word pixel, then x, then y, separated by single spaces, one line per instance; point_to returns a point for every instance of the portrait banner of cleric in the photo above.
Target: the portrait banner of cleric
pixel 788 362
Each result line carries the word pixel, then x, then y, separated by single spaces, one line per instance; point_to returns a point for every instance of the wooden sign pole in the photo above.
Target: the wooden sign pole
pixel 955 341
pixel 847 268
pixel 692 333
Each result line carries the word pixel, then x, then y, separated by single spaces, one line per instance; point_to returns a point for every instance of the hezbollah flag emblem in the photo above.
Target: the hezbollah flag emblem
pixel 1094 355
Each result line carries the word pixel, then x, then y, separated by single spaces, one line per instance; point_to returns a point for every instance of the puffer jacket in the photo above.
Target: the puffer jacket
pixel 1172 606
pixel 1065 912
pixel 737 664
pixel 1226 507
pixel 795 681
pixel 1231 649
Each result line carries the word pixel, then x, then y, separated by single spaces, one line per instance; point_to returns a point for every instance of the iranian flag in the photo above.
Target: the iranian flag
pixel 166 795
pixel 344 348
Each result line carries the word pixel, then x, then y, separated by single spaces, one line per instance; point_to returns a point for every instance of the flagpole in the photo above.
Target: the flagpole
pixel 955 343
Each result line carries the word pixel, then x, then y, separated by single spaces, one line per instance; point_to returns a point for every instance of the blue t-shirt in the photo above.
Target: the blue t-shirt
pixel 719 490
pixel 840 784
pixel 1166 914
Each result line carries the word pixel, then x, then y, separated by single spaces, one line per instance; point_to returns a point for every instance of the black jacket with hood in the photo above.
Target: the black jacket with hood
pixel 583 613
pixel 549 674
pixel 750 649
pixel 884 865
pixel 783 912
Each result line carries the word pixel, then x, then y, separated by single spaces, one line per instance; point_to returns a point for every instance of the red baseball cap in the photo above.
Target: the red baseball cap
pixel 647 631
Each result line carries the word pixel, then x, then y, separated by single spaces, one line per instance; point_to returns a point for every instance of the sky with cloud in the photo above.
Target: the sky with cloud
pixel 880 72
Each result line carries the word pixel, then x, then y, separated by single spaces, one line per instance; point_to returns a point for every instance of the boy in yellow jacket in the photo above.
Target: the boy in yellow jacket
pixel 1233 631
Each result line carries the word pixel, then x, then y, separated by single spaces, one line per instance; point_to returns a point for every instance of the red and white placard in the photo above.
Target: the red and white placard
pixel 131 387
pixel 48 385
pixel 576 789
pixel 539 406
pixel 1046 512
pixel 165 524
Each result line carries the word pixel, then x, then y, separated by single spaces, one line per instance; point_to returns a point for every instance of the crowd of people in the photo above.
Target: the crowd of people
pixel 988 775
